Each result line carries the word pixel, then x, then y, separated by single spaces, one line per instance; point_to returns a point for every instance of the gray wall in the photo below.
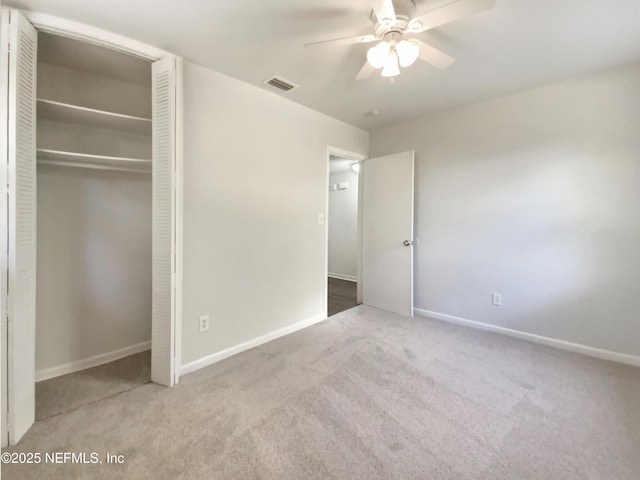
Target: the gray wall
pixel 343 225
pixel 254 184
pixel 536 196
pixel 94 263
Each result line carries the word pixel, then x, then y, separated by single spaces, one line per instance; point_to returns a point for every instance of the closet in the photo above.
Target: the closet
pixel 91 124
pixel 94 221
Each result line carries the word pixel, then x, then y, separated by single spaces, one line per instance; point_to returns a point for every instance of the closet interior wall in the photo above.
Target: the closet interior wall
pixel 94 205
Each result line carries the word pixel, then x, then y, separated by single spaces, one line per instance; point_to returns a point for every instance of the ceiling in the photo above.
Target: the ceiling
pixel 518 44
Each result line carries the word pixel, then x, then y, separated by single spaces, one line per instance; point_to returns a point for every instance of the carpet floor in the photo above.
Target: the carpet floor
pixel 364 395
pixel 74 390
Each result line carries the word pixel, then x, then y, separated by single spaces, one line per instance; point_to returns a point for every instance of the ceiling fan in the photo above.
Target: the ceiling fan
pixel 393 21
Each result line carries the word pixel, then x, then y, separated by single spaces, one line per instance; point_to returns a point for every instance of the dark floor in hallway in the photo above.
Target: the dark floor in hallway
pixel 342 295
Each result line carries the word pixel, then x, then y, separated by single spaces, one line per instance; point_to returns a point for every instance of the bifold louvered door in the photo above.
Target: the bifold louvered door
pixel 20 90
pixel 164 210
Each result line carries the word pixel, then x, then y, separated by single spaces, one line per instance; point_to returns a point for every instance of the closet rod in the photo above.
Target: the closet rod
pixel 91 166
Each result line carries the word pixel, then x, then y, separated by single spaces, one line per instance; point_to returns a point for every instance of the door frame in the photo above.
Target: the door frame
pixel 360 158
pixel 86 33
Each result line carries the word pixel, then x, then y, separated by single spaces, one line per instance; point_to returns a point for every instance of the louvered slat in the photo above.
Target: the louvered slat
pixel 22 225
pixel 164 104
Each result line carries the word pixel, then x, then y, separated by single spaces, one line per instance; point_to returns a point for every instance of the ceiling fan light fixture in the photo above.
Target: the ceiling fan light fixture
pixel 377 56
pixel 407 52
pixel 391 68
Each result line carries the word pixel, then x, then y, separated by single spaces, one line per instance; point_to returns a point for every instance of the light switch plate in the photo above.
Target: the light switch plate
pixel 496 299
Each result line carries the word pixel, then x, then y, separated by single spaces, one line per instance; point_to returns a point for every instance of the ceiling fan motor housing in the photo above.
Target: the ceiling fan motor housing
pixel 405 11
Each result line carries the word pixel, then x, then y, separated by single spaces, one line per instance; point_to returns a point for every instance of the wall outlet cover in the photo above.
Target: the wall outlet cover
pixel 203 324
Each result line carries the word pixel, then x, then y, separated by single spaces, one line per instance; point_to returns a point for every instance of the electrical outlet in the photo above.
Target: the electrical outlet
pixel 496 299
pixel 321 219
pixel 204 323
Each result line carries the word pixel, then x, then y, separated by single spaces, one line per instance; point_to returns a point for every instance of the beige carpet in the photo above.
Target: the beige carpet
pixel 74 390
pixel 365 395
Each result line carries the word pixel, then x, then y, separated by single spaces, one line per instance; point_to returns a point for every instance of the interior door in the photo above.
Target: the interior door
pixel 387 233
pixel 19 50
pixel 163 338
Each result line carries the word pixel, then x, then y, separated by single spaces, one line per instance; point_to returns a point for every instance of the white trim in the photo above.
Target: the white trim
pixel 325 280
pixel 359 259
pixel 216 357
pixel 348 154
pixel 4 232
pixel 339 276
pixel 179 172
pixel 531 337
pixel 94 361
pixel 96 36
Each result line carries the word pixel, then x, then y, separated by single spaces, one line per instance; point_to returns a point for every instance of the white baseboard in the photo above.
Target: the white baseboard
pixel 340 276
pixel 94 361
pixel 531 337
pixel 216 357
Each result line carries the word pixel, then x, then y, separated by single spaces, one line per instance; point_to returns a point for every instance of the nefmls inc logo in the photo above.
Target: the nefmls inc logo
pixel 72 457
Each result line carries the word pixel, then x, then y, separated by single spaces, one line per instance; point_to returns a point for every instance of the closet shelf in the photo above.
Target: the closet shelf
pixel 66 112
pixel 86 160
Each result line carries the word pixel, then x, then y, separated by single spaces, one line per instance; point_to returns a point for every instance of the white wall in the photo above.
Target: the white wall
pixel 94 263
pixel 343 225
pixel 534 195
pixel 93 91
pixel 254 183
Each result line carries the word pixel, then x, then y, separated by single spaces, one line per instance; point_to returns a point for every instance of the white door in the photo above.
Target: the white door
pixel 163 338
pixel 18 88
pixel 387 233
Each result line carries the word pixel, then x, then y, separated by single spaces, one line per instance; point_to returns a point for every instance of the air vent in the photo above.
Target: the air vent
pixel 280 83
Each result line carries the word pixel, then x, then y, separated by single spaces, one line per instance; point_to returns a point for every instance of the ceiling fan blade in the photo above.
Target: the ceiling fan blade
pixel 338 42
pixel 365 72
pixel 448 13
pixel 433 56
pixel 385 13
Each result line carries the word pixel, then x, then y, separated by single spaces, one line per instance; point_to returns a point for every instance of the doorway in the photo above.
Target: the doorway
pixel 343 238
pixel 384 246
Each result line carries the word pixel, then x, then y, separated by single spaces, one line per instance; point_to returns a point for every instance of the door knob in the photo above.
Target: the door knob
pixel 407 243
